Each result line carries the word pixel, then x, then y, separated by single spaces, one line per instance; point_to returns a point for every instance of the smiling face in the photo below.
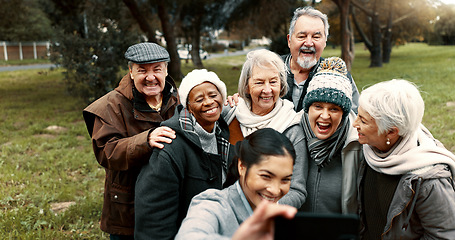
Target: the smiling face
pixel 307 41
pixel 149 79
pixel 264 88
pixel 270 179
pixel 368 131
pixel 324 119
pixel 205 103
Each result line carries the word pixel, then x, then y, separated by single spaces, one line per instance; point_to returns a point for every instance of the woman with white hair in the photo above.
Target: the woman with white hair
pixel 406 186
pixel 195 161
pixel 262 83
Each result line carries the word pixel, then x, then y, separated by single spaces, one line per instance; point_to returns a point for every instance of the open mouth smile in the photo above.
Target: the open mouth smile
pixel 212 111
pixel 306 50
pixel 324 126
pixel 270 199
pixel 151 84
pixel 267 98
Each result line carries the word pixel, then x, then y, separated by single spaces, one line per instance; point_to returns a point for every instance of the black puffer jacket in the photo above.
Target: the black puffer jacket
pixel 174 175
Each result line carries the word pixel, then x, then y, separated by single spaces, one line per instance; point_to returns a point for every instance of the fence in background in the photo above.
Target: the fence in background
pixel 23 50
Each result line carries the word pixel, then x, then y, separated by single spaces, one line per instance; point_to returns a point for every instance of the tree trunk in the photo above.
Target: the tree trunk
pixel 196 41
pixel 351 39
pixel 141 20
pixel 346 50
pixel 169 36
pixel 374 45
pixel 376 54
pixel 360 31
pixel 387 39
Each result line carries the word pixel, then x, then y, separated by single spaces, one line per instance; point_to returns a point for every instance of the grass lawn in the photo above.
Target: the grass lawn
pixel 47 161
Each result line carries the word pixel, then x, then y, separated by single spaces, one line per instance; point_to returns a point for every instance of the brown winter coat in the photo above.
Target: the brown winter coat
pixel 119 124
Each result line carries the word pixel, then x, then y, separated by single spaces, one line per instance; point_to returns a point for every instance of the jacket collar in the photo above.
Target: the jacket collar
pixel 126 88
pixel 183 120
pixel 183 123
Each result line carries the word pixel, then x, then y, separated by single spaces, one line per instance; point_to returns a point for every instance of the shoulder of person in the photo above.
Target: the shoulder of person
pixel 112 101
pixel 294 133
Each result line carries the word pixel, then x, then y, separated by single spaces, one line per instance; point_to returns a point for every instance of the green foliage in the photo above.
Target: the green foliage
pixel 92 63
pixel 23 20
pixel 280 45
pixel 444 26
pixel 91 47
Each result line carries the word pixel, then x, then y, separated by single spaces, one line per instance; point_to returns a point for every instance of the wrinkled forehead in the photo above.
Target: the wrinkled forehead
pixel 309 25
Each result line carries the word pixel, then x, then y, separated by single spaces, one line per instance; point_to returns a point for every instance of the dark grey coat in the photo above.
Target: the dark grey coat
pixel 174 175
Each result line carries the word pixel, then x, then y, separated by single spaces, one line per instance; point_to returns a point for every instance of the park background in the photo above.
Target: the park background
pixel 51 184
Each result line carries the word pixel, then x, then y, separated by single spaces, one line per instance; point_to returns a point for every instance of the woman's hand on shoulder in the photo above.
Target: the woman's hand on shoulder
pixel 232 100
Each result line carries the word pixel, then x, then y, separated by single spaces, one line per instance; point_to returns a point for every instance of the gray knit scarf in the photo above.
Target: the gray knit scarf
pixel 322 151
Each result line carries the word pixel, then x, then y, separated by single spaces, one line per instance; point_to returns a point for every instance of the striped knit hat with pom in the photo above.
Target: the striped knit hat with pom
pixel 330 85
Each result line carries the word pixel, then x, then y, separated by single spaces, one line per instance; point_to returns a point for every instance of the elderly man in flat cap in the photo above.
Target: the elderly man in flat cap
pixel 124 126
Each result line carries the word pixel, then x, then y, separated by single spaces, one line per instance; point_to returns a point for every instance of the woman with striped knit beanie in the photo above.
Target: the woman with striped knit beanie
pixel 333 152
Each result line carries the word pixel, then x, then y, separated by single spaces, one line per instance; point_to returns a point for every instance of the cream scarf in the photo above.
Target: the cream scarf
pixel 414 152
pixel 280 118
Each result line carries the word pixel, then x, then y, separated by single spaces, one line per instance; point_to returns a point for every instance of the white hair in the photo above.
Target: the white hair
pixel 310 12
pixel 261 58
pixel 394 103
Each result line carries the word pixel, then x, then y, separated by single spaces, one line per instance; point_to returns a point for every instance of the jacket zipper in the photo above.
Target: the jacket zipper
pixel 391 222
pixel 316 187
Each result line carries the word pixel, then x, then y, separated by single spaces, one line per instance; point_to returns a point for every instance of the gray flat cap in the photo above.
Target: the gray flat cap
pixel 147 52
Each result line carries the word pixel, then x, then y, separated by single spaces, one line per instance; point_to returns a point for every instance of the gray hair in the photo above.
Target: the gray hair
pixel 394 103
pixel 261 58
pixel 311 12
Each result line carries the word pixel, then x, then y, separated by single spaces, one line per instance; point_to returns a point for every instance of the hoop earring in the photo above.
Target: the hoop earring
pixel 388 141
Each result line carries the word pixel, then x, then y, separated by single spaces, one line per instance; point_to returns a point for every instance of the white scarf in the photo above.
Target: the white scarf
pixel 280 118
pixel 416 151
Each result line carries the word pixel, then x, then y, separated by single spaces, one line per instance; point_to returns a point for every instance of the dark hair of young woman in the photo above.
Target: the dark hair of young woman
pixel 252 149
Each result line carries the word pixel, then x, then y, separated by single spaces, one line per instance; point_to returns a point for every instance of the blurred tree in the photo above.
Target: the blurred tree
pixel 384 23
pixel 23 20
pixel 199 17
pixel 444 25
pixel 141 10
pixel 248 21
pixel 89 43
pixel 191 19
pixel 346 32
pixel 173 13
pixel 373 40
pixel 142 20
pixel 167 25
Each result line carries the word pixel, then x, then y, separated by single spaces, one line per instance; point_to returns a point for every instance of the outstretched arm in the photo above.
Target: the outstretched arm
pixel 261 224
